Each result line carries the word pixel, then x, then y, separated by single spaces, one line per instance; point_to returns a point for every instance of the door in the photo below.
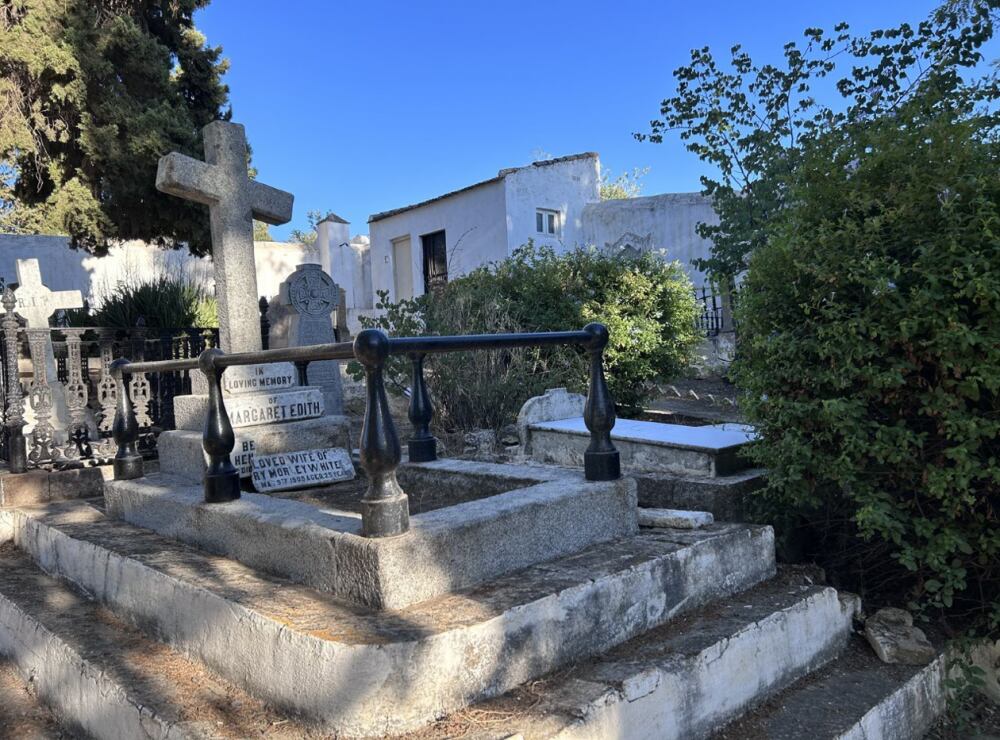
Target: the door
pixel 402 268
pixel 435 261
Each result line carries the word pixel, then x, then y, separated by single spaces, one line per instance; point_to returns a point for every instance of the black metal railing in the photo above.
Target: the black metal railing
pixel 385 506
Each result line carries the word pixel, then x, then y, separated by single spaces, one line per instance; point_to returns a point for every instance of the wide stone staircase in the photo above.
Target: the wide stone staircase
pixel 533 605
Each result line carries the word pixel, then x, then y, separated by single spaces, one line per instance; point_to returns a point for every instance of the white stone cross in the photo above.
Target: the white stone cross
pixel 35 302
pixel 234 201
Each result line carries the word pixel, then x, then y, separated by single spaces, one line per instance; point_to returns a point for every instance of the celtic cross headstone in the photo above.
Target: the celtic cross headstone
pixel 302 315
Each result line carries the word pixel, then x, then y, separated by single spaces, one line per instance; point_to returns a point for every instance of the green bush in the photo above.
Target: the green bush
pixel 162 302
pixel 647 304
pixel 870 346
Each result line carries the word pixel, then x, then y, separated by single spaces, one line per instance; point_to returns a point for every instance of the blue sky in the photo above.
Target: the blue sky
pixel 365 106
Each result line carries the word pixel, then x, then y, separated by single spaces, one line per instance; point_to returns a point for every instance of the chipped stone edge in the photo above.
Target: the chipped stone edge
pixel 372 689
pixel 655 703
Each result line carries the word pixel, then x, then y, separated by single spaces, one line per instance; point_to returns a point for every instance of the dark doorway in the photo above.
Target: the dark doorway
pixel 435 261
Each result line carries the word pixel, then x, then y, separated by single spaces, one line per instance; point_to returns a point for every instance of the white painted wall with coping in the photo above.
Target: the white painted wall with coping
pixel 662 223
pixel 64 268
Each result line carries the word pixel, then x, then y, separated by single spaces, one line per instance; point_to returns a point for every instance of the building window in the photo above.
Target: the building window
pixel 548 222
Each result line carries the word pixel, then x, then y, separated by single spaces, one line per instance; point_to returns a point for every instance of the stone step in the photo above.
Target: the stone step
pixel 648 446
pixel 681 680
pixel 529 515
pixel 181 454
pixel 856 697
pixel 726 497
pixel 106 679
pixel 360 671
pixel 22 716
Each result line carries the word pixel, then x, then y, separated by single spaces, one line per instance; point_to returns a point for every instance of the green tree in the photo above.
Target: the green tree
pixel 626 185
pixel 91 95
pixel 261 232
pixel 308 236
pixel 749 121
pixel 870 350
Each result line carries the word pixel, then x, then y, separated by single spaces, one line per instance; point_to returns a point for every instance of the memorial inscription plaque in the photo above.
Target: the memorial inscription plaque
pixel 290 470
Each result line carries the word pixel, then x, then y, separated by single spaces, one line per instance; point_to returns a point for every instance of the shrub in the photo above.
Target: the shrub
pixel 647 304
pixel 161 302
pixel 871 358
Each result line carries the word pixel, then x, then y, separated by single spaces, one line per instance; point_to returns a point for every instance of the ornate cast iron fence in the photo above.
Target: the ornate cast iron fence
pixel 385 506
pixel 86 391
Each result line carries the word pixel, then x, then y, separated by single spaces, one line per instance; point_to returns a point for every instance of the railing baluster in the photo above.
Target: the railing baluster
pixel 222 479
pixel 422 446
pixel 125 428
pixel 14 419
pixel 601 460
pixel 385 509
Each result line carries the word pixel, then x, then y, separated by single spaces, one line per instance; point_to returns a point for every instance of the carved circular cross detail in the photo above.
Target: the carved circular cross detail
pixel 313 292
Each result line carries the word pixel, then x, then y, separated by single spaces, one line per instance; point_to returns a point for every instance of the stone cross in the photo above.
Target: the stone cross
pixel 35 302
pixel 234 201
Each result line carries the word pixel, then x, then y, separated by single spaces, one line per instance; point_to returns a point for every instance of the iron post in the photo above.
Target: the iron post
pixel 125 429
pixel 222 479
pixel 422 446
pixel 601 461
pixel 385 509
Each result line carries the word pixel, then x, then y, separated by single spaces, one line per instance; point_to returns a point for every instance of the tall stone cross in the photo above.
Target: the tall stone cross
pixel 234 201
pixel 35 302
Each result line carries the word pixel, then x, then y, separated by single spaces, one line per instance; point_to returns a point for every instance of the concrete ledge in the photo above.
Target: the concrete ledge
pixel 646 446
pixel 181 453
pixel 726 497
pixel 683 684
pixel 373 673
pixel 446 549
pixel 41 486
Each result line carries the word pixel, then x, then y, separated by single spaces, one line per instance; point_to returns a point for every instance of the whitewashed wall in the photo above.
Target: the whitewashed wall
pixel 558 186
pixel 475 228
pixel 659 222
pixel 64 268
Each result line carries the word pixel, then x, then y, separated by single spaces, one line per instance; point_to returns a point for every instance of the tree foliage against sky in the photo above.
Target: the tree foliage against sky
pixel 92 93
pixel 749 121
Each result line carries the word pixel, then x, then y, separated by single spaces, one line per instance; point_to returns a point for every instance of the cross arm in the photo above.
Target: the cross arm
pixel 270 205
pixel 185 177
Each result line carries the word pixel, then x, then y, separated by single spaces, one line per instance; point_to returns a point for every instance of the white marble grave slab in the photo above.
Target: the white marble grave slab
pixel 275 376
pixel 290 470
pixel 274 408
pixel 710 438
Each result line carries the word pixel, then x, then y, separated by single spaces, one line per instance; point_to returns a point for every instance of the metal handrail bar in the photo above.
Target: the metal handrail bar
pixel 160 366
pixel 384 507
pixel 434 344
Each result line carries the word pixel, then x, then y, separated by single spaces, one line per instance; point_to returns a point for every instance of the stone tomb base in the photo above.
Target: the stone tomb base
pixel 557 513
pixel 647 446
pixel 182 455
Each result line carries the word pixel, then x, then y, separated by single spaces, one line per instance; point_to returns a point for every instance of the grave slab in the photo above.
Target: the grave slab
pixel 288 471
pixel 558 513
pixel 181 453
pixel 645 446
pixel 252 409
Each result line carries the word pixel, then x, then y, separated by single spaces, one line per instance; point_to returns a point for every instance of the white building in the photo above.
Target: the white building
pixel 554 202
pixel 452 234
